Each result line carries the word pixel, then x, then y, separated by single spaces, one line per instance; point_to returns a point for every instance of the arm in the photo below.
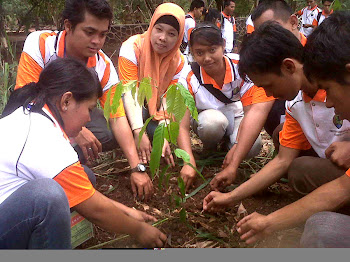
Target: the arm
pixel 339 153
pixel 253 121
pixel 328 197
pixel 187 173
pixel 105 213
pixel 271 173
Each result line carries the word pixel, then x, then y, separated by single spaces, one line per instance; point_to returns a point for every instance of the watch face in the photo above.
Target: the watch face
pixel 141 167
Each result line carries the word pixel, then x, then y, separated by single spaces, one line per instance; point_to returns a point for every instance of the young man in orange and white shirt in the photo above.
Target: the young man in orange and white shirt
pixel 86 26
pixel 326 11
pixel 196 10
pixel 309 17
pixel 228 25
pixel 309 123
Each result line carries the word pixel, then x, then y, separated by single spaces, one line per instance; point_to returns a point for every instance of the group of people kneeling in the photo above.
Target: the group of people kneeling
pixel 51 128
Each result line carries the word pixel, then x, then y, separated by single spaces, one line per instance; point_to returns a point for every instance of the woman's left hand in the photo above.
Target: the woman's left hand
pixel 188 174
pixel 139 215
pixel 166 153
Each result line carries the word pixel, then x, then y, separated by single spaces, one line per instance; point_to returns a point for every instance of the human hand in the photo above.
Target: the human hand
pixel 223 179
pixel 229 157
pixel 253 228
pixel 339 153
pixel 139 215
pixel 145 148
pixel 141 185
pixel 215 201
pixel 88 143
pixel 166 154
pixel 150 236
pixel 188 175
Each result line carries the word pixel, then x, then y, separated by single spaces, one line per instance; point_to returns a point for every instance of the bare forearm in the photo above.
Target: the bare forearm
pixel 328 197
pixel 133 111
pixel 122 132
pixel 184 139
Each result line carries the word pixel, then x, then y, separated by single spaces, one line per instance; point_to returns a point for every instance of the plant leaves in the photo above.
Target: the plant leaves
pixel 174 128
pixel 181 184
pixel 143 129
pixel 144 91
pixel 161 176
pixel 177 199
pixel 157 147
pixel 183 215
pixel 107 106
pixel 175 103
pixel 182 154
pixel 188 100
pixel 117 97
pixel 130 86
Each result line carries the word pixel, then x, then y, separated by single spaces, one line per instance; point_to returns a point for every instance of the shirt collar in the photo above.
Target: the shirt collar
pixel 319 97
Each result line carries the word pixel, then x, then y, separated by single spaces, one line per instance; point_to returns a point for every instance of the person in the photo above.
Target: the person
pixel 156 54
pixel 37 162
pixel 249 25
pixel 326 11
pixel 228 26
pixel 195 13
pixel 309 17
pixel 272 58
pixel 86 24
pixel 268 113
pixel 327 64
pixel 212 15
pixel 219 106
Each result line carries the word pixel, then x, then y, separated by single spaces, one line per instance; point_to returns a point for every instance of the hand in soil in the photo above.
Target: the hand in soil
pixel 188 175
pixel 215 201
pixel 89 144
pixel 223 179
pixel 253 228
pixel 150 236
pixel 229 157
pixel 141 185
pixel 139 215
pixel 166 154
pixel 145 148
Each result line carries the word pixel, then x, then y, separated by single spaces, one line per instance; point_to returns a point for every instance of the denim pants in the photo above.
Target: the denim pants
pixel 36 216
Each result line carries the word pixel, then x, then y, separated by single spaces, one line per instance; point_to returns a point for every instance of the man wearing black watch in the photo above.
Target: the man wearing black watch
pixel 141 184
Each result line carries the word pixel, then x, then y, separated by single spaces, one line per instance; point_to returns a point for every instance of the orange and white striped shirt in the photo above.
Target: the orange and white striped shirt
pixel 34 146
pixel 42 47
pixel 308 16
pixel 309 123
pixel 234 87
pixel 190 23
pixel 228 29
pixel 250 25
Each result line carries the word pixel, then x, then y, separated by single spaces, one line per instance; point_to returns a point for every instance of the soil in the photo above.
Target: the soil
pixel 201 229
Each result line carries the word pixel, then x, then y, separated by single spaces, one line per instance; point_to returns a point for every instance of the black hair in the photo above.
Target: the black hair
pixel 228 2
pixel 196 4
pixel 280 8
pixel 206 33
pixel 264 50
pixel 323 1
pixel 58 77
pixel 211 15
pixel 327 50
pixel 74 10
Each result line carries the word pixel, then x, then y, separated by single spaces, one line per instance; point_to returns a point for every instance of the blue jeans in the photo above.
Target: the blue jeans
pixel 36 216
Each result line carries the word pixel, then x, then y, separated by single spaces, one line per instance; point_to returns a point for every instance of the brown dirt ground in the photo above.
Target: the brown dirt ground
pixel 113 180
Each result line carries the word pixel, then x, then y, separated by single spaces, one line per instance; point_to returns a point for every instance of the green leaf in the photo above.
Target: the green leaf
pixel 167 178
pixel 183 215
pixel 195 169
pixel 182 154
pixel 161 176
pixel 116 98
pixel 177 199
pixel 181 184
pixel 198 189
pixel 188 100
pixel 145 91
pixel 107 107
pixel 175 103
pixel 143 129
pixel 130 86
pixel 174 128
pixel 157 146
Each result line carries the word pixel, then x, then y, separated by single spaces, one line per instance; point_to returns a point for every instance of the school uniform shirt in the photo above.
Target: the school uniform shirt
pixel 34 146
pixel 234 87
pixel 128 70
pixel 190 23
pixel 42 47
pixel 249 25
pixel 323 17
pixel 308 16
pixel 309 123
pixel 228 30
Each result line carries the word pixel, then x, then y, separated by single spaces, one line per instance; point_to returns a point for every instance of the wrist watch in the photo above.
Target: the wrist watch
pixel 139 168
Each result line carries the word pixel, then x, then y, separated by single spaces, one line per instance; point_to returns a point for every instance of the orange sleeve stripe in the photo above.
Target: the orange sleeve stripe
pixel 234 28
pixel 348 172
pixel 181 65
pixel 120 110
pixel 75 183
pixel 106 75
pixel 42 41
pixel 188 80
pixel 127 69
pixel 292 135
pixel 189 31
pixel 300 12
pixel 255 95
pixel 28 71
pixel 250 29
pixel 315 23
